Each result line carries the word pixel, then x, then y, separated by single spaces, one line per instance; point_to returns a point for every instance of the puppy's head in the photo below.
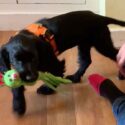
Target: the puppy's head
pixel 21 53
pixel 29 54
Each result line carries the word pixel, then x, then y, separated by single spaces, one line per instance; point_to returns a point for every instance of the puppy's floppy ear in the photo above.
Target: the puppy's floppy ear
pixel 4 59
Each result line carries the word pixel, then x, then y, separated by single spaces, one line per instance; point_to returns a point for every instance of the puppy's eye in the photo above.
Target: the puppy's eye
pixel 25 57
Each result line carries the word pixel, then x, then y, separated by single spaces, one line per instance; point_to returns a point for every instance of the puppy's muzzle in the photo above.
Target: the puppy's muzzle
pixel 29 77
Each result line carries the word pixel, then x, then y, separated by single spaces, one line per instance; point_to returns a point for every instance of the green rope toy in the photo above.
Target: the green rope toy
pixel 12 80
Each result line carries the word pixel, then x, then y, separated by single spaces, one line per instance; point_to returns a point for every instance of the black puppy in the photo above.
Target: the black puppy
pixel 29 53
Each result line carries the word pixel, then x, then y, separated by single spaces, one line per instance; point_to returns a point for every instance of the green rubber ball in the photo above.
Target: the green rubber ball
pixel 12 79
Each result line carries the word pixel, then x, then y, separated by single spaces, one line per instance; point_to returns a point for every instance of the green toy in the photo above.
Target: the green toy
pixel 12 80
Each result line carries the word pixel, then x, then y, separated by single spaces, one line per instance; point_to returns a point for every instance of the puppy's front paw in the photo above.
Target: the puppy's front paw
pixel 74 78
pixel 45 90
pixel 19 106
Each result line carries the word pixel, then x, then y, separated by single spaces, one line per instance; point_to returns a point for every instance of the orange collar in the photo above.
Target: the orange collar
pixel 38 30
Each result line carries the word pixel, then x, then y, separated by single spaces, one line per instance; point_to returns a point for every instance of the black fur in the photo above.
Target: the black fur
pixel 29 54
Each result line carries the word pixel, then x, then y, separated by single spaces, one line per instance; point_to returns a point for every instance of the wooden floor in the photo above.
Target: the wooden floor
pixel 75 104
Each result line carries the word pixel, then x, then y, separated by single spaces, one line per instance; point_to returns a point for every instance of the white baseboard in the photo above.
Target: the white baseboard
pixel 118 36
pixel 18 21
pixel 17 16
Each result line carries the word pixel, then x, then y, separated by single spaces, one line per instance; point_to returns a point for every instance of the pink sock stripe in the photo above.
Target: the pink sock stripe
pixel 95 81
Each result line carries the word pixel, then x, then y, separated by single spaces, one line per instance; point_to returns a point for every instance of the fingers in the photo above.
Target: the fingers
pixel 121 59
pixel 121 53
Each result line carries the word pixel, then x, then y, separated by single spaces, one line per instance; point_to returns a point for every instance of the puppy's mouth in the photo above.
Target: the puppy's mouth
pixel 29 78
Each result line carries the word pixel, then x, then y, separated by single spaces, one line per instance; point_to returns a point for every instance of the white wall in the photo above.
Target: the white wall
pixel 16 14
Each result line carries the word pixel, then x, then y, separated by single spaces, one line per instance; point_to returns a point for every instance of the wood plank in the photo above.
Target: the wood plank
pixel 76 104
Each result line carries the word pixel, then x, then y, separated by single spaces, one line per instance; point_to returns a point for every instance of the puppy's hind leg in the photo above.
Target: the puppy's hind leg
pixel 84 62
pixel 111 52
pixel 105 47
pixel 104 44
pixel 108 50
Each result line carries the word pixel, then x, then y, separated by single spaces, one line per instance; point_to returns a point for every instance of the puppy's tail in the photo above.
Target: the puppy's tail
pixel 109 20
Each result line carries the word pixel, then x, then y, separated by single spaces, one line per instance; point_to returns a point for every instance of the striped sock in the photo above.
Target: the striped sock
pixel 95 81
pixel 105 87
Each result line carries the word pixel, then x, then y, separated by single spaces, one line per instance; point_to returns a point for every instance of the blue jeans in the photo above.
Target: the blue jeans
pixel 119 110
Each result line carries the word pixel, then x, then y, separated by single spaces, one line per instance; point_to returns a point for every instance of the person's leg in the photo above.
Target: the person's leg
pixel 118 108
pixel 106 88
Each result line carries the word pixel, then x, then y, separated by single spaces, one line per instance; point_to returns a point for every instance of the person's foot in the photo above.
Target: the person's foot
pixel 105 87
pixel 95 81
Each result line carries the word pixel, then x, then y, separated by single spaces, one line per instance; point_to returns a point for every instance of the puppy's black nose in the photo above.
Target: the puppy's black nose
pixel 31 78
